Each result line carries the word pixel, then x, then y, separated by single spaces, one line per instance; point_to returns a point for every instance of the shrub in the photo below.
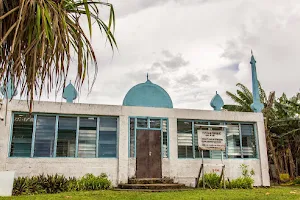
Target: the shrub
pixel 212 180
pixel 284 177
pixel 53 183
pixel 241 182
pixel 297 181
pixel 91 182
pixel 59 183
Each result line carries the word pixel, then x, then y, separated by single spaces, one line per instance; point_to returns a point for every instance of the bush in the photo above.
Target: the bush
pixel 91 182
pixel 284 177
pixel 297 181
pixel 241 182
pixel 59 183
pixel 212 181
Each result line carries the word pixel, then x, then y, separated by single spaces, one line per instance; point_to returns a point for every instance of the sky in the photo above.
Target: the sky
pixel 193 48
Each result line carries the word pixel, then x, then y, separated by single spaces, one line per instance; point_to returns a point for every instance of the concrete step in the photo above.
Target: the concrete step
pixel 150 181
pixel 156 190
pixel 158 186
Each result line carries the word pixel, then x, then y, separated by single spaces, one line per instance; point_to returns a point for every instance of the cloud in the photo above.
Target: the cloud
pixel 193 48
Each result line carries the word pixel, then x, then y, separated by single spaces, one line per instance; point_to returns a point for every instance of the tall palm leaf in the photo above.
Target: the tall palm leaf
pixel 38 36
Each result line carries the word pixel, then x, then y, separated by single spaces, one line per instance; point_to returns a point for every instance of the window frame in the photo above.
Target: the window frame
pixel 57 116
pixel 225 156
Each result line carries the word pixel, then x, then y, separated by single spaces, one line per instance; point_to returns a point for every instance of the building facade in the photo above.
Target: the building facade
pixel 144 138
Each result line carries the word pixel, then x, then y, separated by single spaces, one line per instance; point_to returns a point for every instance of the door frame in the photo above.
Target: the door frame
pixel 135 120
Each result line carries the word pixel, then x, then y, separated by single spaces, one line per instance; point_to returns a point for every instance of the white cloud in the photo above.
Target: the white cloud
pixel 206 42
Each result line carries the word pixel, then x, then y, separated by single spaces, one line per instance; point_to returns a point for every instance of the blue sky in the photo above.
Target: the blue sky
pixel 193 48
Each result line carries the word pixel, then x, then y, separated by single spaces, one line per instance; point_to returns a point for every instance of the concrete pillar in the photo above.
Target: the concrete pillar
pixel 264 164
pixel 173 156
pixel 123 150
pixel 4 139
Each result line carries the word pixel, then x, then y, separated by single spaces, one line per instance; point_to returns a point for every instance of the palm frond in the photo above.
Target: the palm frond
pixel 38 36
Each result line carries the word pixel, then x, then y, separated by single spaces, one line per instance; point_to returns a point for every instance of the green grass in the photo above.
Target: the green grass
pixel 273 193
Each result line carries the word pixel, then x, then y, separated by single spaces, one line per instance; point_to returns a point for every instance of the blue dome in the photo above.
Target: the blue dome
pixel 148 94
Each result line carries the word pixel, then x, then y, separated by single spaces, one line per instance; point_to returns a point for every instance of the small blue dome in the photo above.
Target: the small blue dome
pixel 148 94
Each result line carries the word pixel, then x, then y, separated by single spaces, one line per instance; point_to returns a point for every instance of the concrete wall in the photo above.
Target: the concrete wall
pixel 183 170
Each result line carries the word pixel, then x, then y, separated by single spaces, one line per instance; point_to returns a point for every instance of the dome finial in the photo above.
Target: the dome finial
pixel 217 102
pixel 147 77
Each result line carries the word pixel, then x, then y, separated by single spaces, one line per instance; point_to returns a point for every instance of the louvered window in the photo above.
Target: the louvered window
pixel 107 146
pixel 185 139
pixel 66 139
pixel 44 136
pixel 233 141
pixel 248 141
pixel 87 137
pixel 165 139
pixel 132 137
pixel 21 136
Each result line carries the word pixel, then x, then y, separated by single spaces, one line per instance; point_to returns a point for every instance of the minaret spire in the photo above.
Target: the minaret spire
pixel 256 106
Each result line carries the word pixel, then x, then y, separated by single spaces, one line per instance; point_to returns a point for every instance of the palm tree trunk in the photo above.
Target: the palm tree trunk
pixel 291 162
pixel 286 168
pixel 280 156
pixel 273 153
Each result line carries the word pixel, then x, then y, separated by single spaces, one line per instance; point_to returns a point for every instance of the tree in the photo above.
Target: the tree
pixel 282 125
pixel 37 38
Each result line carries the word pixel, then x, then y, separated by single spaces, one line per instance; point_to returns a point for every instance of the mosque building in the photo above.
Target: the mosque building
pixel 146 137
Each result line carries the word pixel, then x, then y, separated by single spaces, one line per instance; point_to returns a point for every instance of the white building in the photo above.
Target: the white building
pixel 145 137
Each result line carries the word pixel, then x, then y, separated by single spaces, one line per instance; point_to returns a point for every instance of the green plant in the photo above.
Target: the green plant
pixel 53 183
pixel 91 182
pixel 241 182
pixel 212 180
pixel 246 172
pixel 284 177
pixel 297 180
pixel 20 186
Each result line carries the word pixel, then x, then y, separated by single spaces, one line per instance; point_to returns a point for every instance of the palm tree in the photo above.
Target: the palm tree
pixel 37 38
pixel 282 124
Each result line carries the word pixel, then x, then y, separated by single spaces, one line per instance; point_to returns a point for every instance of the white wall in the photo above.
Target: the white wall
pixel 184 170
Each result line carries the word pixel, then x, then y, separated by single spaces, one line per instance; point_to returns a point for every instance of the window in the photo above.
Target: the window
pixel 240 140
pixel 248 141
pixel 21 136
pixel 165 139
pixel 107 137
pixel 185 139
pixel 132 137
pixel 233 141
pixel 198 154
pixel 41 135
pixel 142 122
pixel 87 137
pixel 154 123
pixel 44 136
pixel 66 139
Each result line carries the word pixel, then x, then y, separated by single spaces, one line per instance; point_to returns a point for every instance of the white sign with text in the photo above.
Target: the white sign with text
pixel 211 140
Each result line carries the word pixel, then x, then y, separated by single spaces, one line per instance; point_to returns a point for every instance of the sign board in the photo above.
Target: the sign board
pixel 211 140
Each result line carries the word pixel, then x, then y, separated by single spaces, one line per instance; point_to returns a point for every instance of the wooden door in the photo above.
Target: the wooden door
pixel 148 154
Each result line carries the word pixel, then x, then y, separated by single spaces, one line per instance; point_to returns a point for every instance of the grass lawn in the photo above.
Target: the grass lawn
pixel 279 192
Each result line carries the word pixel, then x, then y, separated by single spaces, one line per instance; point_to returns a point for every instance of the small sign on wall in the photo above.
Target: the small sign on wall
pixel 211 140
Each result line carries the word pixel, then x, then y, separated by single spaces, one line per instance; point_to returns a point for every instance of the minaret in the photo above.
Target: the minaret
pixel 256 106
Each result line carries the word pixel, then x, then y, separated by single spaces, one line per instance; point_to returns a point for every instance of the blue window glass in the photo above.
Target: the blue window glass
pixel 87 137
pixel 248 141
pixel 66 139
pixel 44 136
pixel 21 136
pixel 107 144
